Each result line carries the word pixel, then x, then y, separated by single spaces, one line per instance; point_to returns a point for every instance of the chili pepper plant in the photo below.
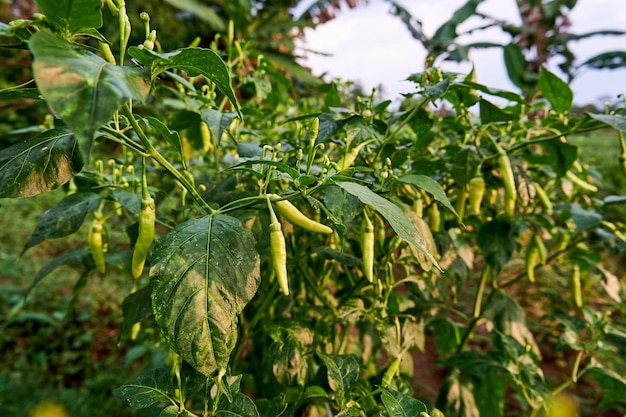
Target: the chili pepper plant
pixel 304 251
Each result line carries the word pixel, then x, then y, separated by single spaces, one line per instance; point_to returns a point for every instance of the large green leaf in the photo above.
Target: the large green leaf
pixel 204 272
pixel 555 90
pixel 343 370
pixel 456 398
pixel 430 186
pixel 70 16
pixel 398 404
pixel 194 61
pixel 613 120
pixel 217 121
pixel 508 317
pixel 80 86
pixel 612 383
pixel 64 218
pixel 393 214
pixel 151 387
pixel 39 165
pixel 242 406
pixel 490 113
pixel 496 240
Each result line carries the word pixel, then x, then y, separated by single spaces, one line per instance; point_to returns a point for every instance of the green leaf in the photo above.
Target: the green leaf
pixel 393 214
pixel 81 87
pixel 242 406
pixel 456 398
pixel 490 113
pixel 72 16
pixel 160 129
pixel 584 219
pixel 343 370
pixel 175 411
pixel 217 121
pixel 39 165
pixel 398 404
pixel 447 335
pixel 613 384
pixel 496 240
pixel 508 95
pixel 64 218
pixel 202 11
pixel 20 93
pixel 194 61
pixel 516 66
pixel 555 90
pixel 559 155
pixel 613 120
pixel 438 90
pixel 508 317
pixel 204 272
pixel 149 388
pixel 606 60
pixel 331 98
pixel 464 166
pixel 489 394
pixel 74 256
pixel 430 186
pixel 136 307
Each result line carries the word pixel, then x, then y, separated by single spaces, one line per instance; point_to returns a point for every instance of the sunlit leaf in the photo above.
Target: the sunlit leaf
pixel 242 406
pixel 204 272
pixel 430 186
pixel 613 120
pixel 39 165
pixel 82 88
pixel 398 404
pixel 194 61
pixel 72 16
pixel 555 90
pixel 393 214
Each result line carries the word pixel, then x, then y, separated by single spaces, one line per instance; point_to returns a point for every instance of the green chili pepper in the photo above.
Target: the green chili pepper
pixel 147 220
pixel 476 194
pixel 576 286
pixel 367 247
pixel 95 243
pixel 278 251
pixel 295 216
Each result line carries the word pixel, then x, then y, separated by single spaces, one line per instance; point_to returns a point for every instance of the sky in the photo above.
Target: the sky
pixel 369 45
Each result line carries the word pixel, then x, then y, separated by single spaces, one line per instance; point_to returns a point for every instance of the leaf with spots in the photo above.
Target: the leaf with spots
pixel 39 165
pixel 204 273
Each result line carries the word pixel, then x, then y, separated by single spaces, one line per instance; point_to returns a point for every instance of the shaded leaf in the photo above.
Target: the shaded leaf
pixel 496 241
pixel 242 406
pixel 172 136
pixel 606 60
pixel 393 214
pixel 559 155
pixel 612 384
pixel 584 219
pixel 464 165
pixel 490 113
pixel 217 121
pixel 204 272
pixel 72 16
pixel 508 317
pixel 612 120
pixel 136 307
pixel 343 370
pixel 202 11
pixel 398 404
pixel 80 86
pixel 64 218
pixel 74 256
pixel 456 398
pixel 555 90
pixel 20 93
pixel 430 186
pixel 149 388
pixel 39 165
